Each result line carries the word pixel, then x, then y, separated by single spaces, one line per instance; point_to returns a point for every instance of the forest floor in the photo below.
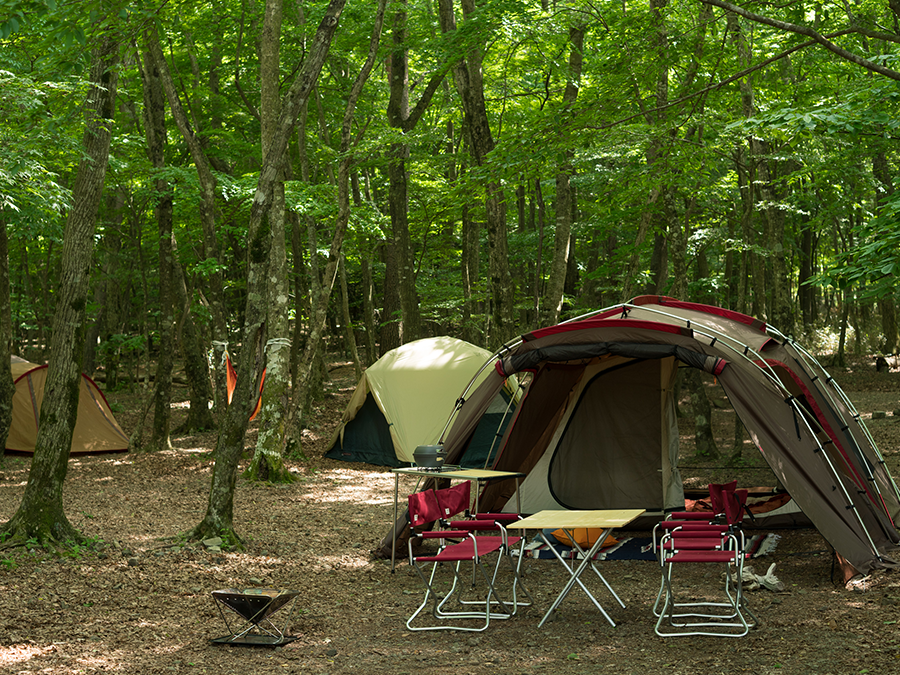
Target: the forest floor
pixel 142 603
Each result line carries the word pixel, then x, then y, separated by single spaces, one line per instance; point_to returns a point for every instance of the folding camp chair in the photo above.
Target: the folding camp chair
pixel 457 546
pixel 720 544
pixel 514 547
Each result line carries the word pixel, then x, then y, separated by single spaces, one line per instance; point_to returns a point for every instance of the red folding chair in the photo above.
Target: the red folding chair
pixel 728 617
pixel 513 547
pixel 457 546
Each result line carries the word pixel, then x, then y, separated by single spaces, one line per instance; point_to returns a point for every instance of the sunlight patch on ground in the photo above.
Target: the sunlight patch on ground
pixel 344 562
pixel 356 495
pixel 22 484
pixel 354 486
pixel 21 653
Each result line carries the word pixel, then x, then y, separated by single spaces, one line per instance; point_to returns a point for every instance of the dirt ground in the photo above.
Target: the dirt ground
pixel 142 603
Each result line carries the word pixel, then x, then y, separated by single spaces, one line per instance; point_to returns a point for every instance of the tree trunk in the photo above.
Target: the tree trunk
pixel 401 118
pixel 215 291
pixel 368 285
pixel 349 335
pixel 806 293
pixel 41 515
pixel 470 270
pixel 219 518
pixel 467 75
pixel 562 251
pixel 780 313
pixel 389 331
pixel 323 291
pixel 155 132
pixel 267 463
pixel 7 386
pixel 196 364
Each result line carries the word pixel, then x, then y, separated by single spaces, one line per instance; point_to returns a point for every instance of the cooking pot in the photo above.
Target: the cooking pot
pixel 429 456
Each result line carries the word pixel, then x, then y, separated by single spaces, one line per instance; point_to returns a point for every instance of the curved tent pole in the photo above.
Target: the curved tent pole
pixel 509 406
pixel 769 372
pixel 515 342
pixel 813 365
pixel 850 503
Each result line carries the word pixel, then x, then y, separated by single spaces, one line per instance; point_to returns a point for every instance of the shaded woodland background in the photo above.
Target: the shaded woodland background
pixel 262 183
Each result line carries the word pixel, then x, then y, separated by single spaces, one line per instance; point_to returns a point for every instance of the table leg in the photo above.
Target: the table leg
pixel 590 557
pixel 575 574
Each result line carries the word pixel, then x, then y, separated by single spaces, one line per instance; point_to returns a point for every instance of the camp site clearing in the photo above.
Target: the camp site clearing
pixel 143 604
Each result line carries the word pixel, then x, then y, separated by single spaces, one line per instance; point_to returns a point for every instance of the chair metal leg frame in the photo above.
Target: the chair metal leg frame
pixel 575 577
pixel 484 523
pixel 731 622
pixel 438 603
pixel 686 541
pixel 517 583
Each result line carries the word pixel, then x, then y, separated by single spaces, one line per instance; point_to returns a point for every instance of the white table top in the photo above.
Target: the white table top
pixel 605 518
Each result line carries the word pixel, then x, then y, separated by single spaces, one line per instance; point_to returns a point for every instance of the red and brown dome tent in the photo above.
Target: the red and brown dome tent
pixel 596 427
pixel 96 430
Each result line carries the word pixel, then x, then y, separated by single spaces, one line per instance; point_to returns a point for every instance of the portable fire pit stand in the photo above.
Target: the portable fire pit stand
pixel 251 609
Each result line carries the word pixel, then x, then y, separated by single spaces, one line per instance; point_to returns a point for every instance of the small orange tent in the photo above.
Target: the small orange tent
pixel 96 430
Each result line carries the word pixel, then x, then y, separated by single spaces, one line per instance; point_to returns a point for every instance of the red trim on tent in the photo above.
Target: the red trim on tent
pixel 595 322
pixel 84 375
pixel 698 307
pixel 92 387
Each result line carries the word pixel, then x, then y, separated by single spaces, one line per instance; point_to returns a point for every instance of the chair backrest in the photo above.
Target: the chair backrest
pixel 423 508
pixel 734 506
pixel 454 499
pixel 717 495
pixel 429 505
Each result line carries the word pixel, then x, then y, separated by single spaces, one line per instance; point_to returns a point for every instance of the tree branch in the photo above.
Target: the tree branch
pixel 814 35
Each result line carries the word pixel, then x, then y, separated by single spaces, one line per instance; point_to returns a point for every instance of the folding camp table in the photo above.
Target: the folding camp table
pixel 253 608
pixel 451 473
pixel 604 520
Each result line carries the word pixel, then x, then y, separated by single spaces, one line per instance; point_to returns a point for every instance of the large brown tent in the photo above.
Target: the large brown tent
pixel 596 426
pixel 96 430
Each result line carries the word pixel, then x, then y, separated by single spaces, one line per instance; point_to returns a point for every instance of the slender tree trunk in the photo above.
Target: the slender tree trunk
pixel 887 304
pixel 196 364
pixel 391 320
pixel 562 251
pixel 806 292
pixel 155 132
pixel 467 75
pixel 368 285
pixel 7 386
pixel 267 463
pixel 215 291
pixel 780 313
pixel 320 304
pixel 401 118
pixel 41 515
pixel 349 335
pixel 219 518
